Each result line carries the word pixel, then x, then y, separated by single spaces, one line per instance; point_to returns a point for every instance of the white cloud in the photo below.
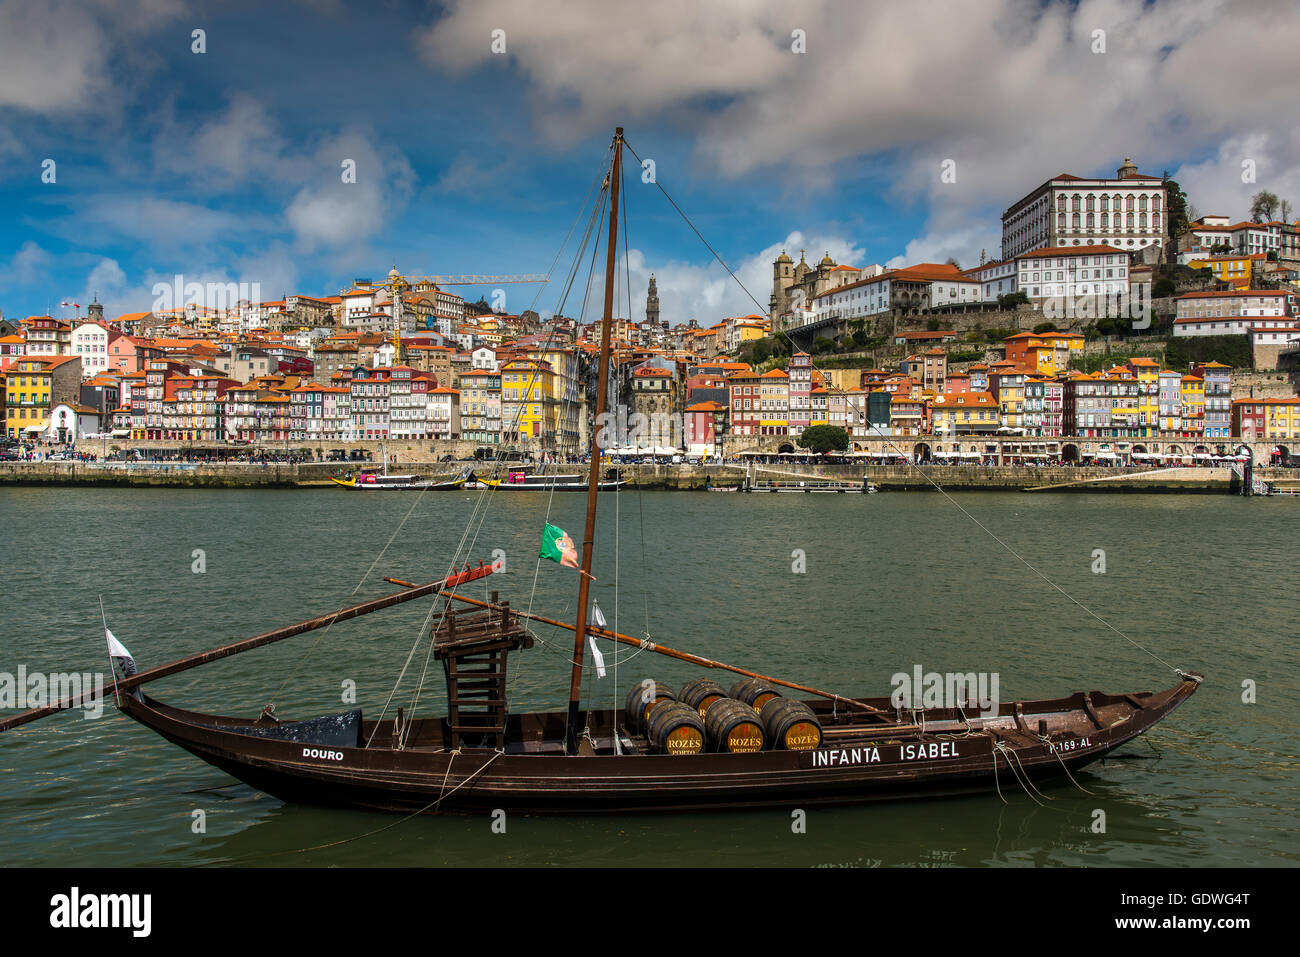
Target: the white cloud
pixel 239 147
pixel 167 225
pixel 1011 90
pixel 106 282
pixel 329 212
pixel 964 245
pixel 57 56
pixel 1215 186
pixel 27 267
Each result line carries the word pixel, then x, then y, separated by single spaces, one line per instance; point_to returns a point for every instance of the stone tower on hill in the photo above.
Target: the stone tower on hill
pixel 652 303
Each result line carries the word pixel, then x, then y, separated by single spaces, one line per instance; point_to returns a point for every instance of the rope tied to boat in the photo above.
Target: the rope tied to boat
pixel 1056 754
pixel 1027 779
pixel 1001 746
pixel 994 754
pixel 961 710
pixel 495 754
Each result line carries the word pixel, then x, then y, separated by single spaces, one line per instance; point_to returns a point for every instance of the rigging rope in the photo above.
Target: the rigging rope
pixel 911 464
pixel 482 504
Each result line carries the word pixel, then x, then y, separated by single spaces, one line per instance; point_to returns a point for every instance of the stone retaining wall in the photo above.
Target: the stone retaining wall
pixel 684 477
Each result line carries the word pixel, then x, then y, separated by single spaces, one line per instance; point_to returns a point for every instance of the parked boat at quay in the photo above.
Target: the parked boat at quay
pixel 815 487
pixel 520 481
pixel 377 479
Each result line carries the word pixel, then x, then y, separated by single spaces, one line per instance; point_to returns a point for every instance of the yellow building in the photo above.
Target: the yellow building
pixel 529 411
pixel 33 387
pixel 748 332
pixel 1192 391
pixel 1234 270
pixel 1007 383
pixel 1281 419
pixel 1046 353
pixel 567 392
pixel 958 412
pixel 820 407
pixel 1148 377
pixel 774 403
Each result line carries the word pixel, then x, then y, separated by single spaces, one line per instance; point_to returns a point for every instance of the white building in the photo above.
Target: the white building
pixel 1127 212
pixel 1233 312
pixel 357 305
pixel 71 422
pixel 924 286
pixel 1073 271
pixel 444 413
pixel 1244 238
pixel 90 340
pixel 997 278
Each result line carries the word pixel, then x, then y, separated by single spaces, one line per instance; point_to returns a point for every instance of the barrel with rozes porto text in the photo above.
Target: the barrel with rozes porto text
pixel 676 728
pixel 791 725
pixel 701 693
pixel 645 696
pixel 755 692
pixel 732 726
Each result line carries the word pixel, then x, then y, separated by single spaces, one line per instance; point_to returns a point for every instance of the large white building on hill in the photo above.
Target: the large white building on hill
pixel 1128 212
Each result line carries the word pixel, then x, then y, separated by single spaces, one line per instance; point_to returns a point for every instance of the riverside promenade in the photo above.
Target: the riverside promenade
pixel 673 477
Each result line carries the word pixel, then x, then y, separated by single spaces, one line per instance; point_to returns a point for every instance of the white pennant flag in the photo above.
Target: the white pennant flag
pixel 598 620
pixel 115 648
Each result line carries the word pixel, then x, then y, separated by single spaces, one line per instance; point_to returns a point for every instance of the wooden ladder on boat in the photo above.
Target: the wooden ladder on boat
pixel 474 647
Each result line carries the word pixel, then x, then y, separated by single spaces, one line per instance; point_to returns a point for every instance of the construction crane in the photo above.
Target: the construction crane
pixel 409 282
pixel 482 280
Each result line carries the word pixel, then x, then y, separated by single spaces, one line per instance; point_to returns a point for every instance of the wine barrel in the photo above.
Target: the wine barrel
pixel 731 726
pixel 676 728
pixel 641 701
pixel 791 725
pixel 755 692
pixel 701 693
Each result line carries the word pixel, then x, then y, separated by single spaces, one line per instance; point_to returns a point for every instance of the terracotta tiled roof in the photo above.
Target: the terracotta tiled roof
pixel 1091 250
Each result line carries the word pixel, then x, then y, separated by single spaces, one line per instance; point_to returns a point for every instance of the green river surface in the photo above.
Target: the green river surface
pixel 1208 583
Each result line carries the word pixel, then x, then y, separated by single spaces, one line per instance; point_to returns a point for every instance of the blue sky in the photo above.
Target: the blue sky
pixel 226 164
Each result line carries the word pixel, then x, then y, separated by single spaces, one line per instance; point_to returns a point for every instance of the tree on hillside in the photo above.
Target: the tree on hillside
pixel 1285 210
pixel 1263 206
pixel 1178 213
pixel 824 438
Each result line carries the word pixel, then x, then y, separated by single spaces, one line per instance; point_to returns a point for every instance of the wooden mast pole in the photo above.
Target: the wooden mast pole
pixel 593 482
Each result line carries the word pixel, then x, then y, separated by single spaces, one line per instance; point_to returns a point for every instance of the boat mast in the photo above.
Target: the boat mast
pixel 593 483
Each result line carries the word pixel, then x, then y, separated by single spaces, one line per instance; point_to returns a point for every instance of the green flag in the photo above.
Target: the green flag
pixel 558 547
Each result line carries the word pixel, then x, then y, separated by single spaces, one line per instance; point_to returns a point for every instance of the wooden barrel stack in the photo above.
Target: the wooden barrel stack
pixel 791 725
pixel 755 716
pixel 644 698
pixel 676 728
pixel 755 692
pixel 731 726
pixel 701 693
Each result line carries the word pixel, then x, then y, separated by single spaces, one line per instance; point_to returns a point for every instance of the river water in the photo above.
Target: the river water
pixel 836 591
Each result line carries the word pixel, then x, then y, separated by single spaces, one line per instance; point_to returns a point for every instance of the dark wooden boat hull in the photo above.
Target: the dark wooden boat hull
pixel 858 761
